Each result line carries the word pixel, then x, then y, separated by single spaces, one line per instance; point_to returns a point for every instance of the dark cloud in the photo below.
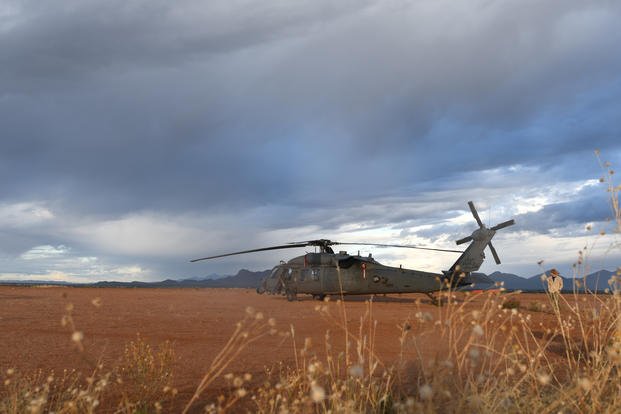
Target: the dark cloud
pixel 298 115
pixel 590 205
pixel 79 39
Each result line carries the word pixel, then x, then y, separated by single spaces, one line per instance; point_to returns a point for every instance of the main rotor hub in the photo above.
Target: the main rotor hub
pixel 481 234
pixel 323 244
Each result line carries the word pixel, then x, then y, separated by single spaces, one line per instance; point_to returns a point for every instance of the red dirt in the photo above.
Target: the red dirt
pixel 197 321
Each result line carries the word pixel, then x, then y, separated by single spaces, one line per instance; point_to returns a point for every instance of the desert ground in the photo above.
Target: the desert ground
pixel 198 322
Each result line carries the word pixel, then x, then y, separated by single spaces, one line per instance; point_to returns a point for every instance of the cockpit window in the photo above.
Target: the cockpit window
pixel 274 273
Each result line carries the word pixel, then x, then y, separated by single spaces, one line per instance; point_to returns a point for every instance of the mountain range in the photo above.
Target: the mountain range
pixel 597 281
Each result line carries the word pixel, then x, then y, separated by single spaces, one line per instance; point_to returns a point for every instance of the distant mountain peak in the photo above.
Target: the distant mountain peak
pixel 596 281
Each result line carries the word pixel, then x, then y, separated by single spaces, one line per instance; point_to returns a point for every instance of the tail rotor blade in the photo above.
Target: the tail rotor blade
pixel 475 214
pixel 503 225
pixel 496 258
pixel 464 240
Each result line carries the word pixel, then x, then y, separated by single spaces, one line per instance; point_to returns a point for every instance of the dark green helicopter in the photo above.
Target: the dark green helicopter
pixel 329 273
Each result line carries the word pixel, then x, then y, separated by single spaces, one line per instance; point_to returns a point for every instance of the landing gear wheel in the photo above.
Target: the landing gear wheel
pixel 260 290
pixel 320 297
pixel 291 295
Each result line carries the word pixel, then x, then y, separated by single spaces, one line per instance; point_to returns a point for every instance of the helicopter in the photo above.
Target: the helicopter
pixel 329 273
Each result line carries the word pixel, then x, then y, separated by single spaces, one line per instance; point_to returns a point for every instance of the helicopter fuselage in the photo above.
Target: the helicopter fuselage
pixel 321 274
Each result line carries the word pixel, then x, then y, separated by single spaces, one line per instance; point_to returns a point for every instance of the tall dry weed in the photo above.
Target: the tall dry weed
pixel 143 377
pixel 328 378
pixel 39 392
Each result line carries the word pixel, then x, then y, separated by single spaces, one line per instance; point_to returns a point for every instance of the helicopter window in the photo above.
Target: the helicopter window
pixel 274 273
pixel 307 274
pixel 289 273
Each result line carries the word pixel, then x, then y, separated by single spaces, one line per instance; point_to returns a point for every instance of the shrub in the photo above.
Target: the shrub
pixel 144 376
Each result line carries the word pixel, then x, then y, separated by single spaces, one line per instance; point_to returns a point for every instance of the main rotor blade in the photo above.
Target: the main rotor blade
pixel 491 247
pixel 503 225
pixel 464 240
pixel 475 214
pixel 284 246
pixel 400 245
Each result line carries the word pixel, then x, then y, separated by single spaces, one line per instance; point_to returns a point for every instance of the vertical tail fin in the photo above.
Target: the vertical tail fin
pixel 472 259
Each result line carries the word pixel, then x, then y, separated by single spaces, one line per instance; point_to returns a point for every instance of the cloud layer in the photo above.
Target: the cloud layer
pixel 138 134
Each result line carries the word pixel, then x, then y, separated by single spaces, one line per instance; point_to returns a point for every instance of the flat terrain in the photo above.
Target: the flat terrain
pixel 198 322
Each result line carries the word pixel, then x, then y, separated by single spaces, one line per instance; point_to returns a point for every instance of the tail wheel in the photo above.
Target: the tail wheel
pixel 291 295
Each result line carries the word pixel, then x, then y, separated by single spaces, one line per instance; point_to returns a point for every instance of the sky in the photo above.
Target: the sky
pixel 137 135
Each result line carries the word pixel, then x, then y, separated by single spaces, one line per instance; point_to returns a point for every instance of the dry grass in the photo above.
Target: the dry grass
pixel 41 392
pixel 143 377
pixel 494 359
pixel 139 383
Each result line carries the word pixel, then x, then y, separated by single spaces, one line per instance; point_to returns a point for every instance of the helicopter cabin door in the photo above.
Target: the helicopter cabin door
pixel 309 281
pixel 321 270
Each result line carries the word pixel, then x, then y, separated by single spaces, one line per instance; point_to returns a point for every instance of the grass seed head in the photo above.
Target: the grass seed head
pixel 614 353
pixel 585 384
pixel 77 336
pixel 317 394
pixel 544 378
pixel 425 392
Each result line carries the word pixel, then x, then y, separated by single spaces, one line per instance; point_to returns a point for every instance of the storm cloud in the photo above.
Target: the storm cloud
pixel 137 134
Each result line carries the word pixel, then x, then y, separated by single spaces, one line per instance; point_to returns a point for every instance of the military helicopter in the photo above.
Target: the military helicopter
pixel 328 273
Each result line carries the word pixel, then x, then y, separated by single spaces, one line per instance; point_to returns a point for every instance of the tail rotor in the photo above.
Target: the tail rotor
pixel 483 234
